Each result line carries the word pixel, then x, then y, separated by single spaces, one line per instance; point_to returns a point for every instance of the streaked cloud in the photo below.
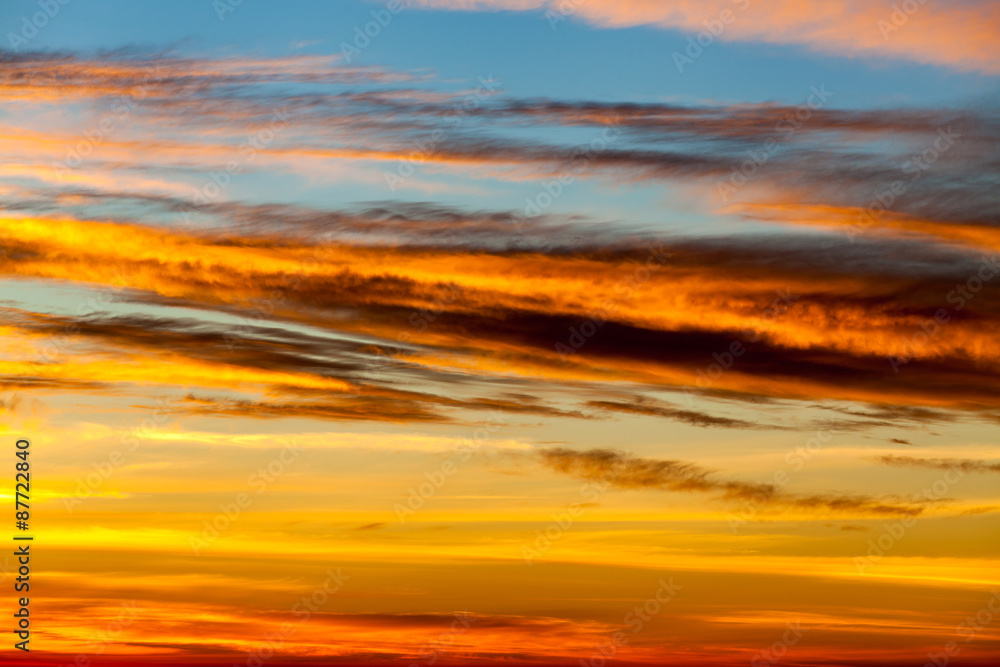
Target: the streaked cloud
pixel 621 470
pixel 963 465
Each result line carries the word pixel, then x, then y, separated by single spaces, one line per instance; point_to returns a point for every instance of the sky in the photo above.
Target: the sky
pixel 520 332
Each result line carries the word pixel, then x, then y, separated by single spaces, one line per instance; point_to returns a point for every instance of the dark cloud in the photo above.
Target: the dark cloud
pixel 691 417
pixel 964 465
pixel 446 320
pixel 624 471
pixel 857 305
pixel 348 409
pixel 984 509
pixel 371 526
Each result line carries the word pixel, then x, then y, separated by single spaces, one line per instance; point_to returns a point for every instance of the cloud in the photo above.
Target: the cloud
pixel 984 509
pixel 328 377
pixel 691 417
pixel 360 409
pixel 963 465
pixel 42 76
pixel 371 526
pixel 804 326
pixel 826 170
pixel 442 294
pixel 393 123
pixel 624 471
pixel 960 35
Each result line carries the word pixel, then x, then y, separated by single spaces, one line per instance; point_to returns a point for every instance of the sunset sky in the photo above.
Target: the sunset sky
pixel 503 332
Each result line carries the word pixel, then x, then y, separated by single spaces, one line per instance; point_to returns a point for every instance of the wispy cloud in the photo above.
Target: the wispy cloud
pixel 964 465
pixel 624 471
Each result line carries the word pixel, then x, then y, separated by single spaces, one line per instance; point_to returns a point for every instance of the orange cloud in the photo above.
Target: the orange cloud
pixel 962 35
pixel 663 312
